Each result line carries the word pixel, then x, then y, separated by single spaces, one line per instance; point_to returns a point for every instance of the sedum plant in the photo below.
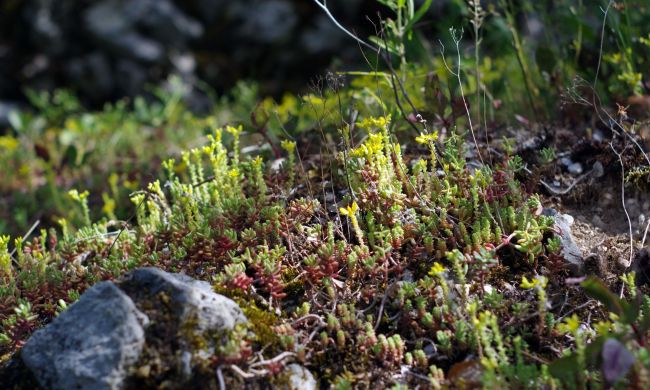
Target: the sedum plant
pixel 389 284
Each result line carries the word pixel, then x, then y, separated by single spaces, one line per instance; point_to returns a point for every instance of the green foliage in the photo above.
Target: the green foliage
pixel 220 216
pixel 390 254
pixel 618 344
pixel 110 153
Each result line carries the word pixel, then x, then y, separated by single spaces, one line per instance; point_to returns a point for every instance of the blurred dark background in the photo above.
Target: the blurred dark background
pixel 107 49
pixel 103 50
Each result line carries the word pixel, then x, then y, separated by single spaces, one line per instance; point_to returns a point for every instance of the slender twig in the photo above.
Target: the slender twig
pixel 418 376
pixel 569 188
pixel 126 223
pixel 456 40
pixel 574 309
pixel 324 7
pixel 29 233
pixel 243 374
pixel 395 81
pixel 309 316
pixel 276 359
pixel 645 234
pixel 103 235
pixel 222 383
pixel 381 307
pixel 627 215
pixel 602 40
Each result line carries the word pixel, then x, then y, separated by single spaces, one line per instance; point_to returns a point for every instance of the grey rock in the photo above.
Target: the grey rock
pixel 192 299
pixel 300 378
pixel 89 346
pixel 67 43
pixel 37 65
pixel 98 341
pixel 549 212
pixel 64 43
pixel 185 63
pixel 570 250
pixel 597 170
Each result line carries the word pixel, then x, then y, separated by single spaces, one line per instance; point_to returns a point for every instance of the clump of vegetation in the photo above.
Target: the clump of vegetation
pixel 375 236
pixel 423 263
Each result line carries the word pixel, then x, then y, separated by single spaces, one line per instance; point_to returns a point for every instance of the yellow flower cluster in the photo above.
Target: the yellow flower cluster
pixel 289 146
pixel 373 146
pixel 8 143
pixel 436 269
pixel 349 210
pixel 235 131
pixel 75 195
pixel 540 281
pixel 374 122
pixel 570 324
pixel 427 139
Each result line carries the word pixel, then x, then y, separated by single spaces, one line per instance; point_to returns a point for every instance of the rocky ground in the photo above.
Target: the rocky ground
pixel 146 330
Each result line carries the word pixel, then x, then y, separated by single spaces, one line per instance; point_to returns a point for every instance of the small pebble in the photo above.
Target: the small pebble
pixel 598 136
pixel 597 169
pixel 277 164
pixel 575 168
pixel 566 161
pixel 144 371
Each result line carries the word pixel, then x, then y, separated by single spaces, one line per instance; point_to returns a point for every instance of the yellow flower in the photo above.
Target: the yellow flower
pixel 207 150
pixel 570 324
pixel 8 142
pixel 289 146
pixel 602 327
pixel 287 107
pixel 109 205
pixel 350 210
pixel 235 131
pixel 218 135
pixel 427 139
pixel 645 41
pixel 73 125
pixel 233 173
pixel 615 58
pixel 75 195
pixel 540 281
pixel 257 162
pixel 374 122
pixel 313 99
pixel 436 269
pixel 373 146
pixel 525 283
